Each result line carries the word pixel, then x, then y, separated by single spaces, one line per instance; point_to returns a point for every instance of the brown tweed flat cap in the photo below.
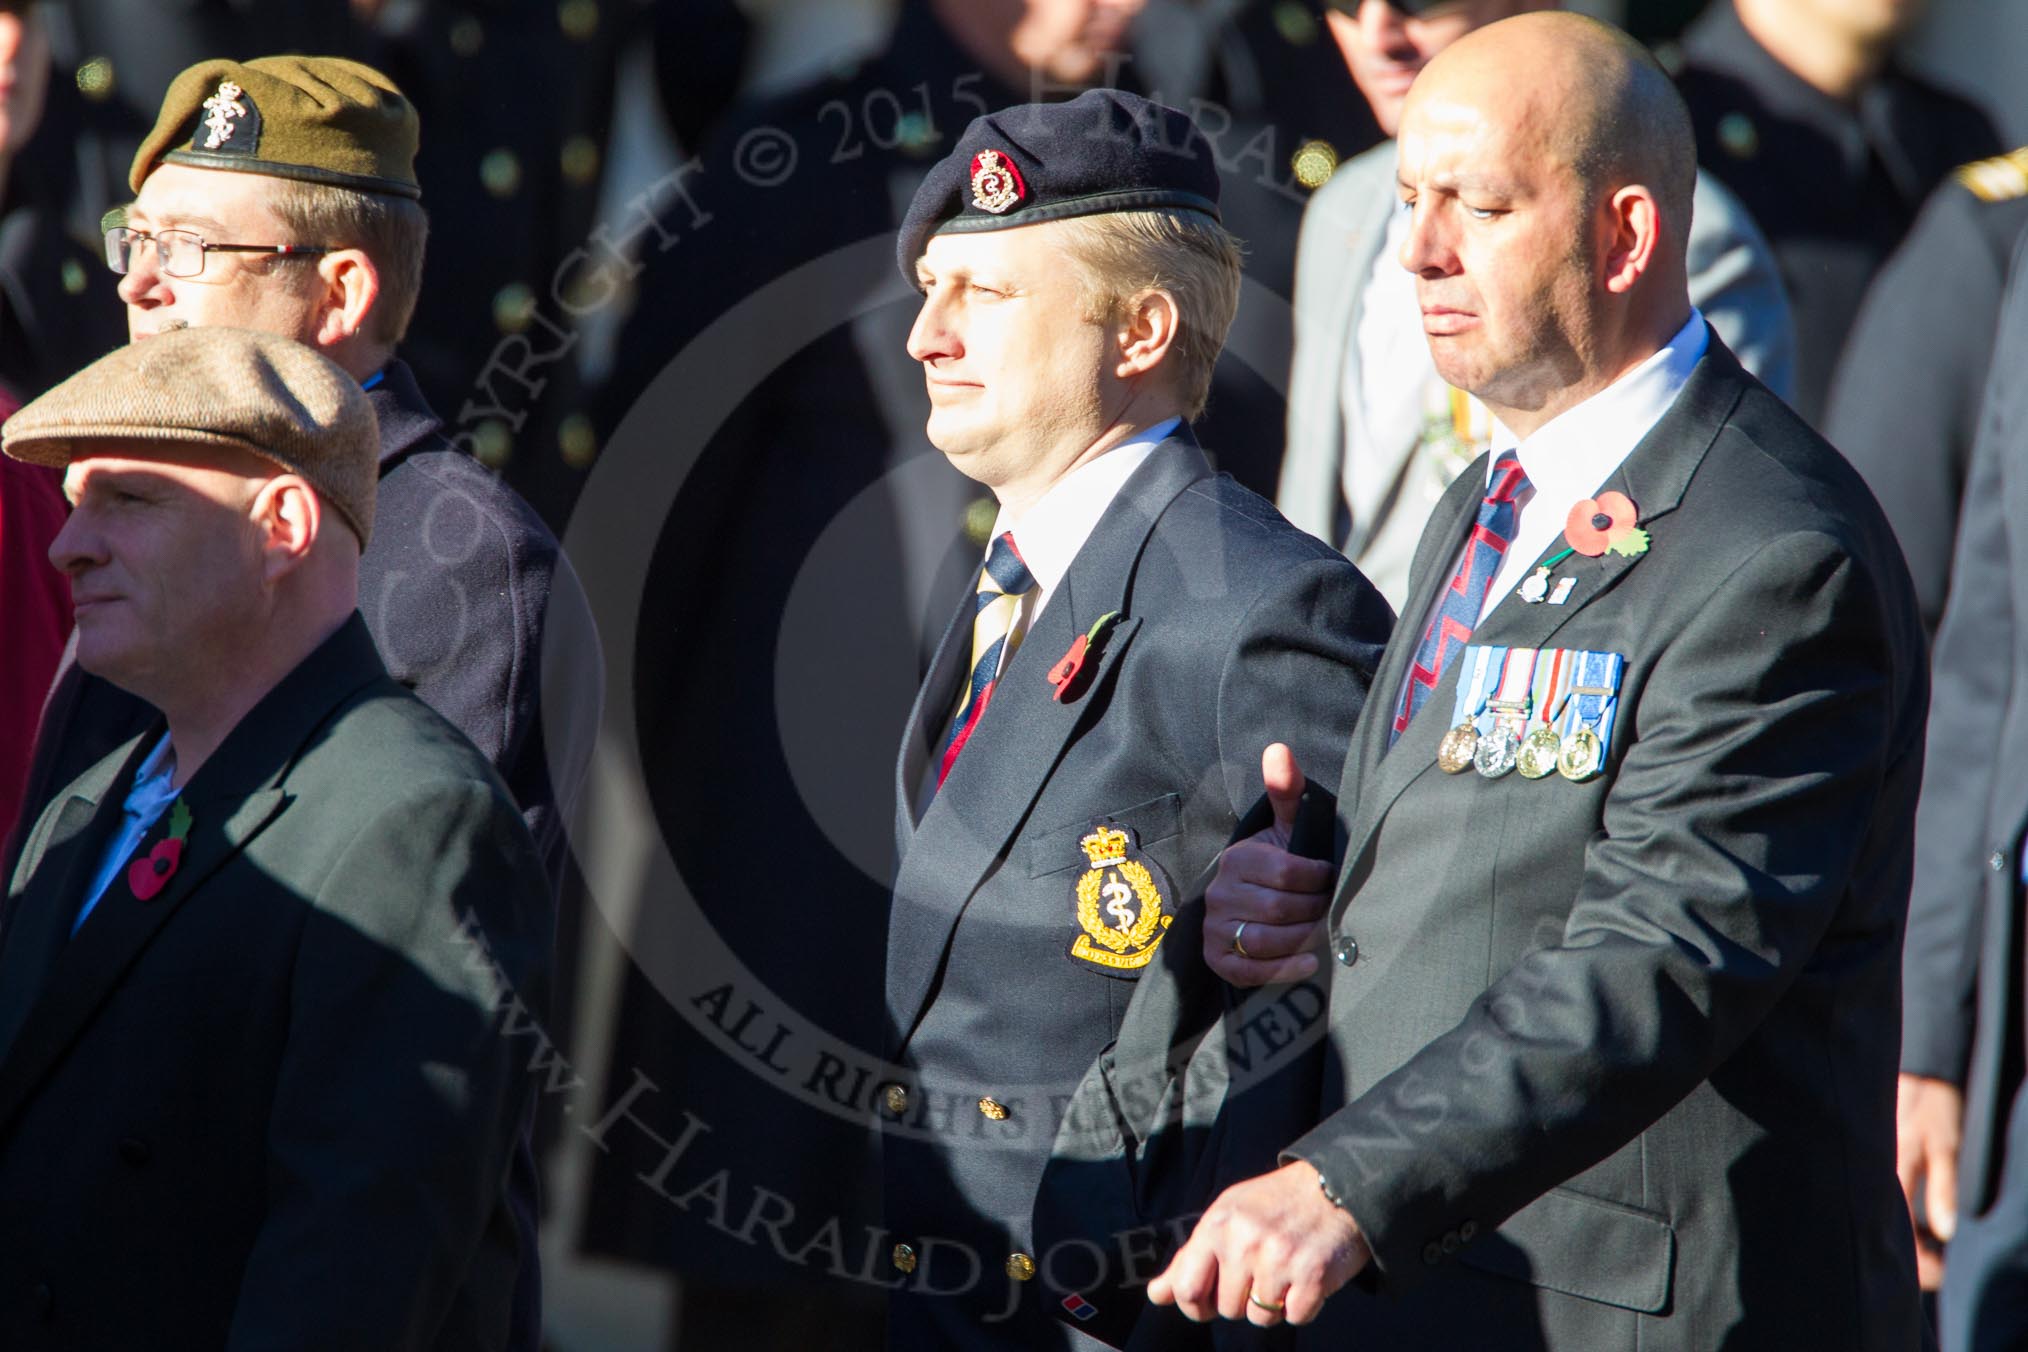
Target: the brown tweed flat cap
pixel 217 387
pixel 317 118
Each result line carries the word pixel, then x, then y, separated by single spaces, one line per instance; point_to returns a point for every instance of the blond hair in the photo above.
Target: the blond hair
pixel 391 231
pixel 1125 254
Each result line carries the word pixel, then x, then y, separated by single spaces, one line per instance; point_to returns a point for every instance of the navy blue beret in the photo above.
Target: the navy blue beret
pixel 1105 150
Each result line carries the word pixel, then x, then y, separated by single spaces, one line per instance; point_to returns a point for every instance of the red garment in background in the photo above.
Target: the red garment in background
pixel 34 613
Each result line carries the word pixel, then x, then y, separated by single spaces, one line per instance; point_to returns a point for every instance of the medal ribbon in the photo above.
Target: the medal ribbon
pixel 1594 699
pixel 1471 692
pixel 1552 686
pixel 1517 677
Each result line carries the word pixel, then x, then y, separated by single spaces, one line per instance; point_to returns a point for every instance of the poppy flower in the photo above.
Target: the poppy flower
pixel 1605 522
pixel 1064 674
pixel 146 877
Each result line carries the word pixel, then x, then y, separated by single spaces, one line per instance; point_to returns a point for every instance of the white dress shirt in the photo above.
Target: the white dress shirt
pixel 1055 526
pixel 1570 457
pixel 1383 408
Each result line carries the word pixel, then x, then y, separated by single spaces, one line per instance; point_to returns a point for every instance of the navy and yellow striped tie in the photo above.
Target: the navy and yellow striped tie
pixel 1002 583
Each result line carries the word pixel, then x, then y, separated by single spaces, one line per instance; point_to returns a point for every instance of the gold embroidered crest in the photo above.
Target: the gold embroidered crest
pixel 1123 891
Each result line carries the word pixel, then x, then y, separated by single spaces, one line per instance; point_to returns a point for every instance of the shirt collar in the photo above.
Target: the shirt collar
pixel 153 780
pixel 1573 453
pixel 1056 525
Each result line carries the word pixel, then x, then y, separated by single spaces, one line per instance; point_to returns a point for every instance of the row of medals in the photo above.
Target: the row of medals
pixel 1576 757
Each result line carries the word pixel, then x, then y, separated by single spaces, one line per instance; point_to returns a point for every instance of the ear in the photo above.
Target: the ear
pixel 1145 331
pixel 1633 231
pixel 288 518
pixel 351 290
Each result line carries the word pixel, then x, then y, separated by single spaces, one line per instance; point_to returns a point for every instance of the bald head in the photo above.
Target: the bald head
pixel 1603 105
pixel 1551 167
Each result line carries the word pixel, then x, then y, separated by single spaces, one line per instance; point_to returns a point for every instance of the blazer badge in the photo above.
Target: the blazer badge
pixel 1120 903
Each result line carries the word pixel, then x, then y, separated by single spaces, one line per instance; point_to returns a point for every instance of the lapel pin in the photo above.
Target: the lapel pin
pixel 1564 586
pixel 1063 676
pixel 148 876
pixel 1604 524
pixel 1537 585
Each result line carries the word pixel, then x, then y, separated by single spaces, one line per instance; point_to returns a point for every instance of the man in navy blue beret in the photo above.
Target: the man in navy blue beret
pixel 1089 733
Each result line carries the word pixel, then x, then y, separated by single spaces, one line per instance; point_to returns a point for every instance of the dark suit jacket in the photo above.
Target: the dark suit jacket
pixel 1613 1062
pixel 471 604
pixel 1963 1017
pixel 1236 630
pixel 1905 406
pixel 275 1105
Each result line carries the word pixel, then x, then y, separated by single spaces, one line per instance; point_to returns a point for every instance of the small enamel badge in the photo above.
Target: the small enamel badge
pixel 221 111
pixel 996 183
pixel 1120 906
pixel 1536 587
pixel 148 876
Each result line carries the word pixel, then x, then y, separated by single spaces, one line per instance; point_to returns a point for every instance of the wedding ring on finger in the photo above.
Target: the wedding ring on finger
pixel 1237 946
pixel 1272 1306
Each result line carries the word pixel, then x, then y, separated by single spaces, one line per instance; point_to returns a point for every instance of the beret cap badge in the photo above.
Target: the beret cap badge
pixel 996 183
pixel 222 110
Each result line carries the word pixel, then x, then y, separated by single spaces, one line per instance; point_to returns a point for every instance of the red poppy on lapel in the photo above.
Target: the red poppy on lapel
pixel 1603 523
pixel 1072 664
pixel 147 877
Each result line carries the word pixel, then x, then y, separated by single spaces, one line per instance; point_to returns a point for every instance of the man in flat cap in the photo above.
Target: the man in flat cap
pixel 255 1085
pixel 280 194
pixel 1091 726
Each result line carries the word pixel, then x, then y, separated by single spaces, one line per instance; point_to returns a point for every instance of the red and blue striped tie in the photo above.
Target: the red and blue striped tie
pixel 1002 583
pixel 1457 612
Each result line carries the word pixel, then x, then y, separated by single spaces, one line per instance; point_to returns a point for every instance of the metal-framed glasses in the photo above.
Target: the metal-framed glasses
pixel 180 253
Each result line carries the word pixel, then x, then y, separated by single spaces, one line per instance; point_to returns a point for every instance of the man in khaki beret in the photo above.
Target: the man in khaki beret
pixel 254 1086
pixel 280 194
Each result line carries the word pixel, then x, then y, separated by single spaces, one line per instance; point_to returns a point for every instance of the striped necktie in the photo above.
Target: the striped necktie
pixel 1002 583
pixel 1457 611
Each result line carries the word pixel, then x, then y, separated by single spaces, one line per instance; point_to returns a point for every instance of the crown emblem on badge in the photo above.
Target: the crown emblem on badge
pixel 996 183
pixel 221 111
pixel 1105 846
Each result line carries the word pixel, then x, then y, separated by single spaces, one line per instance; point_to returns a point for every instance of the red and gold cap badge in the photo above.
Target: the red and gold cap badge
pixel 996 183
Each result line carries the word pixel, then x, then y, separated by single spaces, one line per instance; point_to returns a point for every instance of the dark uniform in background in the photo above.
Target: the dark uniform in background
pixel 1905 405
pixel 1833 186
pixel 1962 977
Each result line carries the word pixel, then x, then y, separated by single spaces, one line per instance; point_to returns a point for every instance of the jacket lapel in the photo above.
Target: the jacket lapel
pixel 934 700
pixel 1431 570
pixel 1024 732
pixel 232 798
pixel 1654 476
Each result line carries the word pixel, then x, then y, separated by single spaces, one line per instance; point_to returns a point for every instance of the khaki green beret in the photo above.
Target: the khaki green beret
pixel 316 118
pixel 253 391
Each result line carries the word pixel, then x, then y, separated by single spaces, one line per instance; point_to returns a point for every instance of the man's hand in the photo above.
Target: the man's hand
pixel 1270 1248
pixel 1929 1117
pixel 1279 897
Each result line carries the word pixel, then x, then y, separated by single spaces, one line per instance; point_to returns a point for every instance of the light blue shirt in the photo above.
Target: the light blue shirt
pixel 150 797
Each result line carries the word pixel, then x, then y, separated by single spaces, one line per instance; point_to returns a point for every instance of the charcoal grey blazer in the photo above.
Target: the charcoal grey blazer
pixel 1612 1064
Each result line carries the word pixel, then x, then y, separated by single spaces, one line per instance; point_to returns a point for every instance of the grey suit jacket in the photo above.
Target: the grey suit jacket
pixel 1236 630
pixel 274 1105
pixel 1732 280
pixel 1963 975
pixel 1612 1063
